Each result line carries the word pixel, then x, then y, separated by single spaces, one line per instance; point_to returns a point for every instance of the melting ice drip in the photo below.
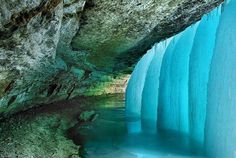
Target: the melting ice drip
pixel 188 83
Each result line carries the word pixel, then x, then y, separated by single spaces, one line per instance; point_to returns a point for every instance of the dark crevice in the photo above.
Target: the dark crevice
pixel 58 89
pixel 51 89
pixel 86 74
pixel 139 4
pixel 70 92
pixel 89 4
pixel 11 100
pixel 9 86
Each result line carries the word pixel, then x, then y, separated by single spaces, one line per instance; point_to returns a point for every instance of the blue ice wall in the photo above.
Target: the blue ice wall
pixel 221 109
pixel 199 67
pixel 150 90
pixel 173 98
pixel 191 81
pixel 133 98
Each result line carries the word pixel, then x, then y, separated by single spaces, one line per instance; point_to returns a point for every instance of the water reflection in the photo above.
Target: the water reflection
pixel 113 135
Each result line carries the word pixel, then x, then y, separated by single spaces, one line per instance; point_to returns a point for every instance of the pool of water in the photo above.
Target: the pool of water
pixel 113 135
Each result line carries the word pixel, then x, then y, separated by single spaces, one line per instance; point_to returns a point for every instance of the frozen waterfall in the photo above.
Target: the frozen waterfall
pixel 150 90
pixel 199 67
pixel 221 108
pixel 135 87
pixel 187 83
pixel 173 105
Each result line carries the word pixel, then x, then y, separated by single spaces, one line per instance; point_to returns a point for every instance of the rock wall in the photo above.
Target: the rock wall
pixel 52 49
pixel 30 30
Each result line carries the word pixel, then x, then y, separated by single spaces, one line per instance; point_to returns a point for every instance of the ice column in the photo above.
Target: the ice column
pixel 150 91
pixel 133 98
pixel 173 92
pixel 199 67
pixel 220 132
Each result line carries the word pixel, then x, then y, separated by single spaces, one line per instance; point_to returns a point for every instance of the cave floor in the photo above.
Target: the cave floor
pixel 53 131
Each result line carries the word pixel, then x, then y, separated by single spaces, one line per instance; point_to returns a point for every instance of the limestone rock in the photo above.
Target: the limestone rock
pixel 117 33
pixel 30 32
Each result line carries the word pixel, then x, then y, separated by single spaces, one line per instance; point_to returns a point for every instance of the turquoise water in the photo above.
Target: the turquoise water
pixel 113 135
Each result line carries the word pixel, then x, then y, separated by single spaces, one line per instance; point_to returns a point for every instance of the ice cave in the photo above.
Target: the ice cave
pixel 117 79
